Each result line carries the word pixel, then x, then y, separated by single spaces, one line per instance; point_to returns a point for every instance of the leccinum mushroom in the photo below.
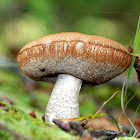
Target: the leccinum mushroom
pixel 74 58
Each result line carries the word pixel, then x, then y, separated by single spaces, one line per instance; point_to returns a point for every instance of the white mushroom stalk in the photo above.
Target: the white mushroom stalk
pixel 64 102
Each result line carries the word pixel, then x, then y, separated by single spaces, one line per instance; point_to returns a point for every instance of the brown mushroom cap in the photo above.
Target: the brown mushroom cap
pixel 94 59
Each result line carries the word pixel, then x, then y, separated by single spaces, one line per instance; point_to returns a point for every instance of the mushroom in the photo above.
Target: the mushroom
pixel 70 59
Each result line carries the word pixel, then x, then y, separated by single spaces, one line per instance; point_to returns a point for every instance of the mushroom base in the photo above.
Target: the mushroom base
pixel 64 102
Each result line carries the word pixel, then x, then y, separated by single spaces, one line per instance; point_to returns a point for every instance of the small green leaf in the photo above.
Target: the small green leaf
pixel 84 118
pixel 91 117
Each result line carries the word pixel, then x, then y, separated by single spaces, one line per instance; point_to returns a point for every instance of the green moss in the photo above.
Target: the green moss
pixel 5 135
pixel 126 138
pixel 28 127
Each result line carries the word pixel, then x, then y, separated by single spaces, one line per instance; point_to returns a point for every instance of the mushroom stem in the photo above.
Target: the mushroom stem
pixel 64 102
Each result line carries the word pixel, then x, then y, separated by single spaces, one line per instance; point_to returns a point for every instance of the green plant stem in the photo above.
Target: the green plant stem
pixel 131 129
pixel 135 50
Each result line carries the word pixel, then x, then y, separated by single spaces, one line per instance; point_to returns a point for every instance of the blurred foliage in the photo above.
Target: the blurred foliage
pixel 126 138
pixel 23 21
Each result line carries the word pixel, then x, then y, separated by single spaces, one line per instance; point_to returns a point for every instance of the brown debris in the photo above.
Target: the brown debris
pixel 7 99
pixel 77 129
pixel 32 114
pixel 43 118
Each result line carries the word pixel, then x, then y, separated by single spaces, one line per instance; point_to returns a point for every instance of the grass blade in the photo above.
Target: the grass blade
pixel 135 50
pixel 131 129
pixel 115 122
